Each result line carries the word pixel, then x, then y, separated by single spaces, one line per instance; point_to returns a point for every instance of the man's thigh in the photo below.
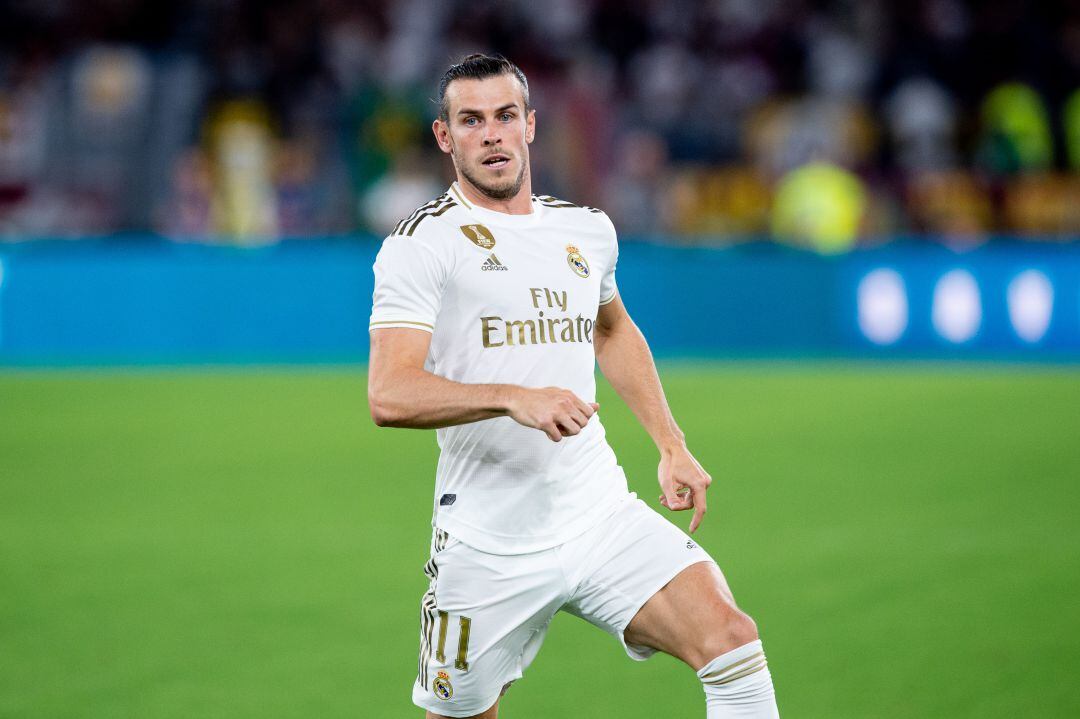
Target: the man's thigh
pixel 619 566
pixel 482 621
pixel 693 618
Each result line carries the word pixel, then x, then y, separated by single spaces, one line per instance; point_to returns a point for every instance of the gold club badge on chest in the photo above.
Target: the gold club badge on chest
pixel 577 261
pixel 479 235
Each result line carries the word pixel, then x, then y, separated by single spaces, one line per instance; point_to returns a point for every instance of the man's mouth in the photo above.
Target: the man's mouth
pixel 496 161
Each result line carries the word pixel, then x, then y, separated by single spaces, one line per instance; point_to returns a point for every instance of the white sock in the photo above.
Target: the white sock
pixel 738 684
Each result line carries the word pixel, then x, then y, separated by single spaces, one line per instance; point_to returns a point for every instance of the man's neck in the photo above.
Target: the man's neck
pixel 519 204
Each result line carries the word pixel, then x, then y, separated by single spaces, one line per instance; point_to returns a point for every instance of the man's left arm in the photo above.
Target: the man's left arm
pixel 625 359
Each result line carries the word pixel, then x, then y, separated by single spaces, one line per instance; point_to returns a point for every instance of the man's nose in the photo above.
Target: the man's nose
pixel 492 137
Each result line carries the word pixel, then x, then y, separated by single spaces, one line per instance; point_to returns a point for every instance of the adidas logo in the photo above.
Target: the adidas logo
pixel 492 264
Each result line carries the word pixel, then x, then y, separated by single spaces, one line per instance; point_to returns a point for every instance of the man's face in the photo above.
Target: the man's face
pixel 487 134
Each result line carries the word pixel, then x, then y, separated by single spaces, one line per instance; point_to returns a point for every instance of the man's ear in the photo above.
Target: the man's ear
pixel 530 126
pixel 442 136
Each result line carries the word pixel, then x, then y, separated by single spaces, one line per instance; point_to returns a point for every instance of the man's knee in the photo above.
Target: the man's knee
pixel 741 629
pixel 734 629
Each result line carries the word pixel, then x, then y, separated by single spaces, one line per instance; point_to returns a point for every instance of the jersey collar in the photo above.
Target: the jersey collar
pixel 497 218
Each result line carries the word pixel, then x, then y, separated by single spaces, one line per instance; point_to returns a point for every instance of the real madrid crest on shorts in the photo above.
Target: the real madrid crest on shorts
pixel 577 261
pixel 441 685
pixel 479 236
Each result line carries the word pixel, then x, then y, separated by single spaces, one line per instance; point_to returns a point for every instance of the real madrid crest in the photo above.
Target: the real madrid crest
pixel 441 685
pixel 577 261
pixel 479 236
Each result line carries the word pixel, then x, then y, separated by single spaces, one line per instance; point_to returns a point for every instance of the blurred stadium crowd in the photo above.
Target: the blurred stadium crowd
pixel 820 123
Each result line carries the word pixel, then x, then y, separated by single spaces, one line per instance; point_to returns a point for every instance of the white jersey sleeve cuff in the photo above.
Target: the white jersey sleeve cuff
pixel 406 324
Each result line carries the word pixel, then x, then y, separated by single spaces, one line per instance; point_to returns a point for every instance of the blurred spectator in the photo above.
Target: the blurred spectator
pixel 782 136
pixel 297 192
pixel 244 202
pixel 409 184
pixel 819 206
pixel 24 113
pixel 106 129
pixel 381 124
pixel 1016 130
pixel 1070 119
pixel 1043 206
pixel 838 66
pixel 922 121
pixel 186 213
pixel 950 204
pixel 573 153
pixel 732 202
pixel 635 199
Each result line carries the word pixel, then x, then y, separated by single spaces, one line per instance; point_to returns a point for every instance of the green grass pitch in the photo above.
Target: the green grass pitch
pixel 245 543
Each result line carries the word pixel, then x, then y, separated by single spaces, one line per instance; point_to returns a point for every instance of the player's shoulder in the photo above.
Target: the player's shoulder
pixel 556 203
pixel 579 213
pixel 428 220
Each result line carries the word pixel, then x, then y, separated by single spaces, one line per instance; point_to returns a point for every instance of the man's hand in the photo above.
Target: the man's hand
pixel 557 412
pixel 683 482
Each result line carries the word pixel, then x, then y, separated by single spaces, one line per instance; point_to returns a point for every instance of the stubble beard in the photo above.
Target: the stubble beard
pixel 495 192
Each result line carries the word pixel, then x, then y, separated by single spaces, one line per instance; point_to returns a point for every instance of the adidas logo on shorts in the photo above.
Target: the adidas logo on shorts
pixel 492 264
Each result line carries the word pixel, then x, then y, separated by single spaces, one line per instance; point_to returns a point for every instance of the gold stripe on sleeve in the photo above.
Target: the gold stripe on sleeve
pixel 434 203
pixel 429 213
pixel 401 322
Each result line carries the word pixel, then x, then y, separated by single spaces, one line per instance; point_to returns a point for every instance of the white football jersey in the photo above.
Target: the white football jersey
pixel 509 299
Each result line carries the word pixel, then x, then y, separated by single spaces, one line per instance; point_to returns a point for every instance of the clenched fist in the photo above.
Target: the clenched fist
pixel 556 412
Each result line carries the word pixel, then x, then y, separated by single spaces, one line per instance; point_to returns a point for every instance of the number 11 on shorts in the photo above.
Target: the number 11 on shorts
pixel 464 625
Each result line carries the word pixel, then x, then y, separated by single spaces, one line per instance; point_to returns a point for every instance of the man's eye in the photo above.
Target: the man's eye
pixel 470 121
pixel 506 117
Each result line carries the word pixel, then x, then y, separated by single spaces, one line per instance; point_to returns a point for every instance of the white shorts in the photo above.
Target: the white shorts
pixel 484 616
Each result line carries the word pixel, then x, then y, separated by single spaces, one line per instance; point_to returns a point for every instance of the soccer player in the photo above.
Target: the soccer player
pixel 492 307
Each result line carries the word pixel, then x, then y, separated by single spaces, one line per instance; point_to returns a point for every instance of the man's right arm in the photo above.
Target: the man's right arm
pixel 401 393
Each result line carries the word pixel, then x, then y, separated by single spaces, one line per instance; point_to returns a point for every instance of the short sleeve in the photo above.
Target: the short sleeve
pixel 608 289
pixel 409 280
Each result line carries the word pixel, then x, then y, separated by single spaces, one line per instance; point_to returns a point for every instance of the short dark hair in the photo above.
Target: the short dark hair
pixel 477 67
